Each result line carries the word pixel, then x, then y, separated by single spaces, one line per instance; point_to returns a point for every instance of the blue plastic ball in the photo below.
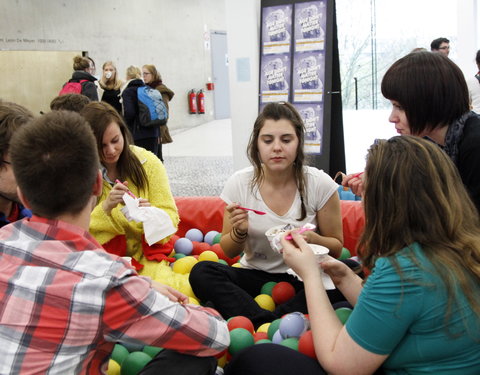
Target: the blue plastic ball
pixel 183 246
pixel 277 337
pixel 293 325
pixel 210 236
pixel 194 234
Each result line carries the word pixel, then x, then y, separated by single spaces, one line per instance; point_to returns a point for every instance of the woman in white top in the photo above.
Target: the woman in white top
pixel 279 184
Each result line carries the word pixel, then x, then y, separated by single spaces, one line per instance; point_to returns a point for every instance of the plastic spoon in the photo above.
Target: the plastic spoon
pixel 117 181
pixel 251 209
pixel 302 229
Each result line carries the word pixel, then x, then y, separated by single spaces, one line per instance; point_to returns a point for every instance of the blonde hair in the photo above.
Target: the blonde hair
pixel 114 83
pixel 134 72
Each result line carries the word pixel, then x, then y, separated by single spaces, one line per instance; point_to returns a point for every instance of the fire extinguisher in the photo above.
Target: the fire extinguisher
pixel 192 101
pixel 201 102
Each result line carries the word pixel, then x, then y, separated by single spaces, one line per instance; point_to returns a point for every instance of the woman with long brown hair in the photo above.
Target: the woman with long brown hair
pixel 125 168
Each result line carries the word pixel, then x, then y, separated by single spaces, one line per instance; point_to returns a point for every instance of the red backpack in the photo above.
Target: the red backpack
pixel 72 87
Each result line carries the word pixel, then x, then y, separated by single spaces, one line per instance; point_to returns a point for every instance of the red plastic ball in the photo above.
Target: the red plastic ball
pixel 240 322
pixel 305 345
pixel 257 336
pixel 282 292
pixel 174 239
pixel 199 247
pixel 218 250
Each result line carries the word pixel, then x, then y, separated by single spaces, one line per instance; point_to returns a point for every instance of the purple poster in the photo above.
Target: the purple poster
pixel 274 78
pixel 277 29
pixel 312 115
pixel 310 23
pixel 308 74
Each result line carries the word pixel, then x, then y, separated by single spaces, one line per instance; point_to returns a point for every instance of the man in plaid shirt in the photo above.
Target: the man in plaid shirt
pixel 64 301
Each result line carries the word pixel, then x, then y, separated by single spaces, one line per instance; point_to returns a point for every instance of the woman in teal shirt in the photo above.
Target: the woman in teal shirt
pixel 418 312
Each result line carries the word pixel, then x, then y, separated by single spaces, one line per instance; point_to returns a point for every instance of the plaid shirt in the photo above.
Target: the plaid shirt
pixel 64 302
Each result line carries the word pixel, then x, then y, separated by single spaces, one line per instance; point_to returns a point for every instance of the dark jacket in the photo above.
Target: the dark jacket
pixel 130 112
pixel 89 89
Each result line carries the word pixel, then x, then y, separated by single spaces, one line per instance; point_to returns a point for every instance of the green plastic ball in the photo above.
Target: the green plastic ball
pixel 343 313
pixel 263 341
pixel 152 351
pixel 267 288
pixel 291 342
pixel 273 328
pixel 216 239
pixel 134 363
pixel 223 261
pixel 179 255
pixel 119 353
pixel 345 254
pixel 240 339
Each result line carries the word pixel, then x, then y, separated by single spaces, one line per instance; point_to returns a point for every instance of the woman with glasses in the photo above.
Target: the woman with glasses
pixel 430 99
pixel 418 312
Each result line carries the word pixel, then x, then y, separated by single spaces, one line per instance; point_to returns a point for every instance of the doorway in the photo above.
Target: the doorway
pixel 221 93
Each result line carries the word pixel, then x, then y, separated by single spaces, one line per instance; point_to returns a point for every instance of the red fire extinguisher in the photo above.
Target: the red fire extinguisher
pixel 192 101
pixel 201 102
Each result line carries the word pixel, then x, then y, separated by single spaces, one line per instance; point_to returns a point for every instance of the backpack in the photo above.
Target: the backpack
pixel 152 110
pixel 72 87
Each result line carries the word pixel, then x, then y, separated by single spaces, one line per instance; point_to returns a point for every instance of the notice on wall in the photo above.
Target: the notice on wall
pixel 277 29
pixel 310 23
pixel 312 115
pixel 274 78
pixel 308 70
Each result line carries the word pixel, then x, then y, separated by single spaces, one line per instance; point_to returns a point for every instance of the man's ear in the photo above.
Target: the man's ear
pixel 22 198
pixel 98 186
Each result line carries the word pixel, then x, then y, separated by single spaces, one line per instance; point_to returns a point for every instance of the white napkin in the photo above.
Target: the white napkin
pixel 156 223
pixel 326 279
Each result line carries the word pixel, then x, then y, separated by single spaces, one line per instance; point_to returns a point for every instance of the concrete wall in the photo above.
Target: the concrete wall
pixel 172 35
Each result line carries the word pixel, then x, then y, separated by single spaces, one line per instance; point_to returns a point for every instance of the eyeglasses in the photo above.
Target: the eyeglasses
pixel 146 74
pixel 446 47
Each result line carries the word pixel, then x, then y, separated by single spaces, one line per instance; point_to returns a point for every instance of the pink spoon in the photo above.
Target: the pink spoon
pixel 303 229
pixel 251 209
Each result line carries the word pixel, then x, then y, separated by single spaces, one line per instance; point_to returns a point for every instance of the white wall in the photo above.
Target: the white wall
pixel 243 20
pixel 168 34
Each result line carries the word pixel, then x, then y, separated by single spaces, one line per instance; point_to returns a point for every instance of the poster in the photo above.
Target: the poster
pixel 277 29
pixel 275 78
pixel 310 24
pixel 312 115
pixel 308 73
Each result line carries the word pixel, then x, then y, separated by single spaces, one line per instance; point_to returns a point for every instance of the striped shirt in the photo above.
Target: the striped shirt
pixel 65 302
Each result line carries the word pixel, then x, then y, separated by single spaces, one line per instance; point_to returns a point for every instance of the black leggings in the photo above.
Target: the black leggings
pixel 265 359
pixel 169 362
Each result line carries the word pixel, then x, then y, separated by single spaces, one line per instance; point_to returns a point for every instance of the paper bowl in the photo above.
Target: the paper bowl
pixel 272 232
pixel 320 252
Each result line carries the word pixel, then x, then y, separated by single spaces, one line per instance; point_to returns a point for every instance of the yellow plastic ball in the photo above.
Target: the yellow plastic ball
pixel 208 255
pixel 237 265
pixel 113 368
pixel 193 301
pixel 265 302
pixel 222 361
pixel 264 327
pixel 184 265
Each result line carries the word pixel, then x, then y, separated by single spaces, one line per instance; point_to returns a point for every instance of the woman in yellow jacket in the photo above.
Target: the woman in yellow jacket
pixel 126 167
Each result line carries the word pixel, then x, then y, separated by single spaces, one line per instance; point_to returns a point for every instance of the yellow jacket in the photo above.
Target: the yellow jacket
pixel 105 227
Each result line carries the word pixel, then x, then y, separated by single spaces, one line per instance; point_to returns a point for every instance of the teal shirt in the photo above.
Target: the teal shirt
pixel 405 319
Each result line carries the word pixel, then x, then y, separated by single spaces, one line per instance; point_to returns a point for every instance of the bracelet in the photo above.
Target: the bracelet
pixel 241 238
pixel 238 234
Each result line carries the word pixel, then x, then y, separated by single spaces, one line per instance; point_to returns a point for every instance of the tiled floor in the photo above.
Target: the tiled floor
pixel 200 160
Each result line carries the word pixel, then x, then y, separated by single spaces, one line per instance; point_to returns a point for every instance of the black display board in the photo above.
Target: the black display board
pixel 299 63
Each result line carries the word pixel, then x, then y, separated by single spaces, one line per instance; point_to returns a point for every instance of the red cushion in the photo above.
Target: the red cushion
pixel 203 213
pixel 206 214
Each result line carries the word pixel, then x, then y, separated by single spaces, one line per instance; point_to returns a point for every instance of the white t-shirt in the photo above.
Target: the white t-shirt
pixel 258 254
pixel 474 93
